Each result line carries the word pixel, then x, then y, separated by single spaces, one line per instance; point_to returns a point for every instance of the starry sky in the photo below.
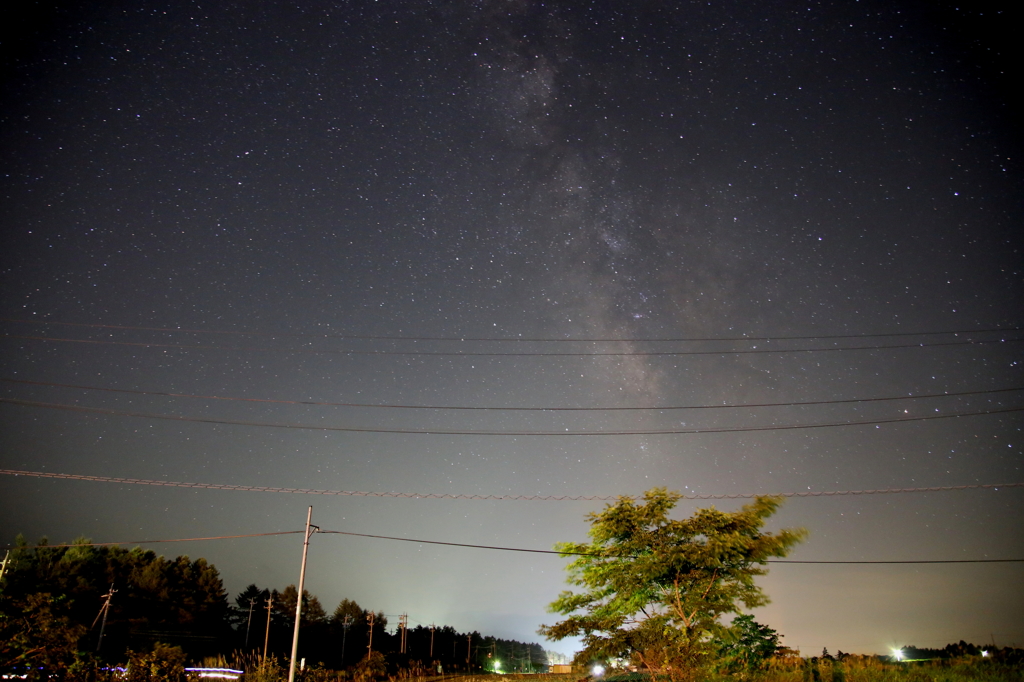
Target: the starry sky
pixel 289 245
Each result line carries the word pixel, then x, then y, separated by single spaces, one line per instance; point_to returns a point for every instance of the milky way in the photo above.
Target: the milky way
pixel 341 213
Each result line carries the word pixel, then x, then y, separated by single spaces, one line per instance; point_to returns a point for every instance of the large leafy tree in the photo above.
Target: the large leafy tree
pixel 654 589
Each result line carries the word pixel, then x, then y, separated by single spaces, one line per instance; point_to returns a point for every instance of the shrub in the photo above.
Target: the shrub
pixel 165 663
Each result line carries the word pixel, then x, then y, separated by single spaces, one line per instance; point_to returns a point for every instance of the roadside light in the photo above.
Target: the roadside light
pixel 497 664
pixel 598 670
pixel 897 654
pixel 984 653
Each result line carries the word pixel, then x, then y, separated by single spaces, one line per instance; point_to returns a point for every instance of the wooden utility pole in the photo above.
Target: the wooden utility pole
pixel 403 625
pixel 248 625
pixel 431 641
pixel 266 637
pixel 346 623
pixel 469 649
pixel 298 598
pixel 370 619
pixel 103 612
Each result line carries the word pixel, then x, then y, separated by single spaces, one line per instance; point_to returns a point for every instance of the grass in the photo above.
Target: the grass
pixel 873 670
pixel 862 669
pixel 853 669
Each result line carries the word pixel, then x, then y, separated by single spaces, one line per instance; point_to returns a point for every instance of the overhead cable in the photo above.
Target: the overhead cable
pixel 320 403
pixel 477 354
pixel 613 556
pixel 517 339
pixel 499 548
pixel 528 498
pixel 483 432
pixel 148 542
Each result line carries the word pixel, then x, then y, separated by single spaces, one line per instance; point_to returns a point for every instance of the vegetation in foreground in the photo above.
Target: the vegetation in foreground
pixel 1004 667
pixel 655 594
pixel 167 664
pixel 74 611
pixel 654 590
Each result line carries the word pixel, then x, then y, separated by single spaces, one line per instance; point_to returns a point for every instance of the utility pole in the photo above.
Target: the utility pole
pixel 346 623
pixel 431 641
pixel 298 599
pixel 266 638
pixel 403 625
pixel 103 612
pixel 469 649
pixel 3 567
pixel 248 625
pixel 369 620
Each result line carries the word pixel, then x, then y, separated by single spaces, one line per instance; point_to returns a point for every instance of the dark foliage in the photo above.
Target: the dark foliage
pixel 52 598
pixel 964 649
pixel 166 611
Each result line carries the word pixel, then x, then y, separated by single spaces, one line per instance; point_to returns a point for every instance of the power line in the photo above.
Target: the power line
pixel 476 354
pixel 603 555
pixel 148 542
pixel 495 548
pixel 480 432
pixel 912 561
pixel 529 498
pixel 456 544
pixel 319 403
pixel 360 337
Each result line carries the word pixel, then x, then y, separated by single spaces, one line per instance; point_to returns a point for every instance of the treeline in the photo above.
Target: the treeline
pixel 341 639
pixel 957 652
pixel 59 605
pixel 964 649
pixel 51 601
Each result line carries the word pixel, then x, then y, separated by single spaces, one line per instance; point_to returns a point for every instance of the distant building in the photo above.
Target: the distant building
pixel 561 668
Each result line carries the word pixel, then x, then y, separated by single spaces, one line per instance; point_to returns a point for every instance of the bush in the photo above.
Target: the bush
pixel 372 667
pixel 165 663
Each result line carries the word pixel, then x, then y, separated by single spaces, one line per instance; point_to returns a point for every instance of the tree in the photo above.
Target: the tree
pixel 37 635
pixel 51 597
pixel 655 589
pixel 373 666
pixel 248 615
pixel 350 643
pixel 750 644
pixel 312 610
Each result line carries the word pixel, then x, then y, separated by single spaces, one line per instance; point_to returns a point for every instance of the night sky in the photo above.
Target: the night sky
pixel 305 222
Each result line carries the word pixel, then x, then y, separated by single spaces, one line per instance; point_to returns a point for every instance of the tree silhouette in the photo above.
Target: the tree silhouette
pixel 180 601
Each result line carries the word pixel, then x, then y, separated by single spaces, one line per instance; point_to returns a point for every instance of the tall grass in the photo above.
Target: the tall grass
pixel 852 669
pixel 869 669
pixel 259 669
